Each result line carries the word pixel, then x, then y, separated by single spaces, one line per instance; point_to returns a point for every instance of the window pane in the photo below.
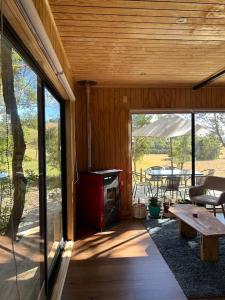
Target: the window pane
pixel 210 145
pixel 53 176
pixel 20 251
pixel 161 156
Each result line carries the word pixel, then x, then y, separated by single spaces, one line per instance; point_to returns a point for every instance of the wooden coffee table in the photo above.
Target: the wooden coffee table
pixel 209 227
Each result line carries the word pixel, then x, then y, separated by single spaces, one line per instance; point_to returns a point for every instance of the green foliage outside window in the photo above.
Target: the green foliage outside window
pixel 181 150
pixel 140 145
pixel 207 148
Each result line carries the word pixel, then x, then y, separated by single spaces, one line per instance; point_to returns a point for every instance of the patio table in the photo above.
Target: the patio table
pixel 169 172
pixel 172 172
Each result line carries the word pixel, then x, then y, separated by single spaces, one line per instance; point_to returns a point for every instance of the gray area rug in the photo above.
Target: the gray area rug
pixel 196 278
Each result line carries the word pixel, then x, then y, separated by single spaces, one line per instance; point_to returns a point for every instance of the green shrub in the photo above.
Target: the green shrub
pixel 207 148
pixel 4 218
pixel 153 201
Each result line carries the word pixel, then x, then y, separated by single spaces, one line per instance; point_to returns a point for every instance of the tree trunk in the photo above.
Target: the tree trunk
pixel 19 146
pixel 171 151
pixel 217 130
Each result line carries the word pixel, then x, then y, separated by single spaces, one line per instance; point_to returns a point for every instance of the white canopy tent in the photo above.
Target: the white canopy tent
pixel 168 126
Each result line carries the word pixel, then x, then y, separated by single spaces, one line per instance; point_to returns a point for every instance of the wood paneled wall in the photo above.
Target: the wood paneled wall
pixel 111 126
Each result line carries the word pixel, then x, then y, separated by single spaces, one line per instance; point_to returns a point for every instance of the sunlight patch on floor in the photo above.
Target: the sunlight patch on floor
pixel 114 245
pixel 24 275
pixel 30 231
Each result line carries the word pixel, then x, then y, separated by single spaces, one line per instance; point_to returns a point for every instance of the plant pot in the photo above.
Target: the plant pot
pixel 139 211
pixel 166 206
pixel 154 211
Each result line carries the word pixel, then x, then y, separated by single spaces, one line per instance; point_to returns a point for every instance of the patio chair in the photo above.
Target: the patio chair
pixel 201 179
pixel 157 181
pixel 184 183
pixel 154 179
pixel 138 182
pixel 172 185
pixel 198 193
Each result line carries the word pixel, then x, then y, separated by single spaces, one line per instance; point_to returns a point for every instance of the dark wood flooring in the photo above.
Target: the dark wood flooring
pixel 120 264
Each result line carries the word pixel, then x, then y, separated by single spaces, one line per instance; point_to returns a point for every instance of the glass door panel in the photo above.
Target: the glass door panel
pixel 209 145
pixel 161 155
pixel 53 178
pixel 30 176
pixel 21 255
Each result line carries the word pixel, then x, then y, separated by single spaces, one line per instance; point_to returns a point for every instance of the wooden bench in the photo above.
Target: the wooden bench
pixel 209 227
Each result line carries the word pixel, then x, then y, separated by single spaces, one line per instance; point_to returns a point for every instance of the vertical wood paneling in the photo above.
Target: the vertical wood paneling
pixel 70 162
pixel 81 129
pixel 111 128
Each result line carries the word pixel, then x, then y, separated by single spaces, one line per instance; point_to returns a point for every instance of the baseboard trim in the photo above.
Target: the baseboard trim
pixel 59 283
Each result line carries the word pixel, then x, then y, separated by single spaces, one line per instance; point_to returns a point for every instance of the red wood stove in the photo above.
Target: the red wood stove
pixel 99 199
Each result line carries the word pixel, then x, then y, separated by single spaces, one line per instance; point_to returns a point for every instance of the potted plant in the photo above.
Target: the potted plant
pixel 154 207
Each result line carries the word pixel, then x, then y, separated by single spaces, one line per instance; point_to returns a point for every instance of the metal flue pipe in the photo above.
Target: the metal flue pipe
pixel 87 84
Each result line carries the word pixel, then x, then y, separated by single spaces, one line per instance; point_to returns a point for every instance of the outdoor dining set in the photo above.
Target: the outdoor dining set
pixel 165 181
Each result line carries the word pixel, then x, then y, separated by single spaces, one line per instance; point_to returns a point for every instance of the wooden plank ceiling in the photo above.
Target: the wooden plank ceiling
pixel 143 43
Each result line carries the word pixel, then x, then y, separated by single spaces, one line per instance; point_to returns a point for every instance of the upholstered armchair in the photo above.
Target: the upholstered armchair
pixel 198 193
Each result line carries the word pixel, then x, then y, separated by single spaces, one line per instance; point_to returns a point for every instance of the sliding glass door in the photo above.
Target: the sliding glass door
pixel 31 191
pixel 21 244
pixel 53 177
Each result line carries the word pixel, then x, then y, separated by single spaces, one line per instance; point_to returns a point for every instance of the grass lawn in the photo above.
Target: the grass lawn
pixel 31 162
pixel 149 160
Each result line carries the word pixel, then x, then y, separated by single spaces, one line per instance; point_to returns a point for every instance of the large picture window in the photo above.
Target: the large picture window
pixel 172 151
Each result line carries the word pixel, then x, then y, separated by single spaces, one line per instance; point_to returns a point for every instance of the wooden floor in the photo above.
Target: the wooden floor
pixel 121 264
pixel 24 259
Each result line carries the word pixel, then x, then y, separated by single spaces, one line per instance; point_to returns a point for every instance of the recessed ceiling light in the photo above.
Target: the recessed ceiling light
pixel 181 20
